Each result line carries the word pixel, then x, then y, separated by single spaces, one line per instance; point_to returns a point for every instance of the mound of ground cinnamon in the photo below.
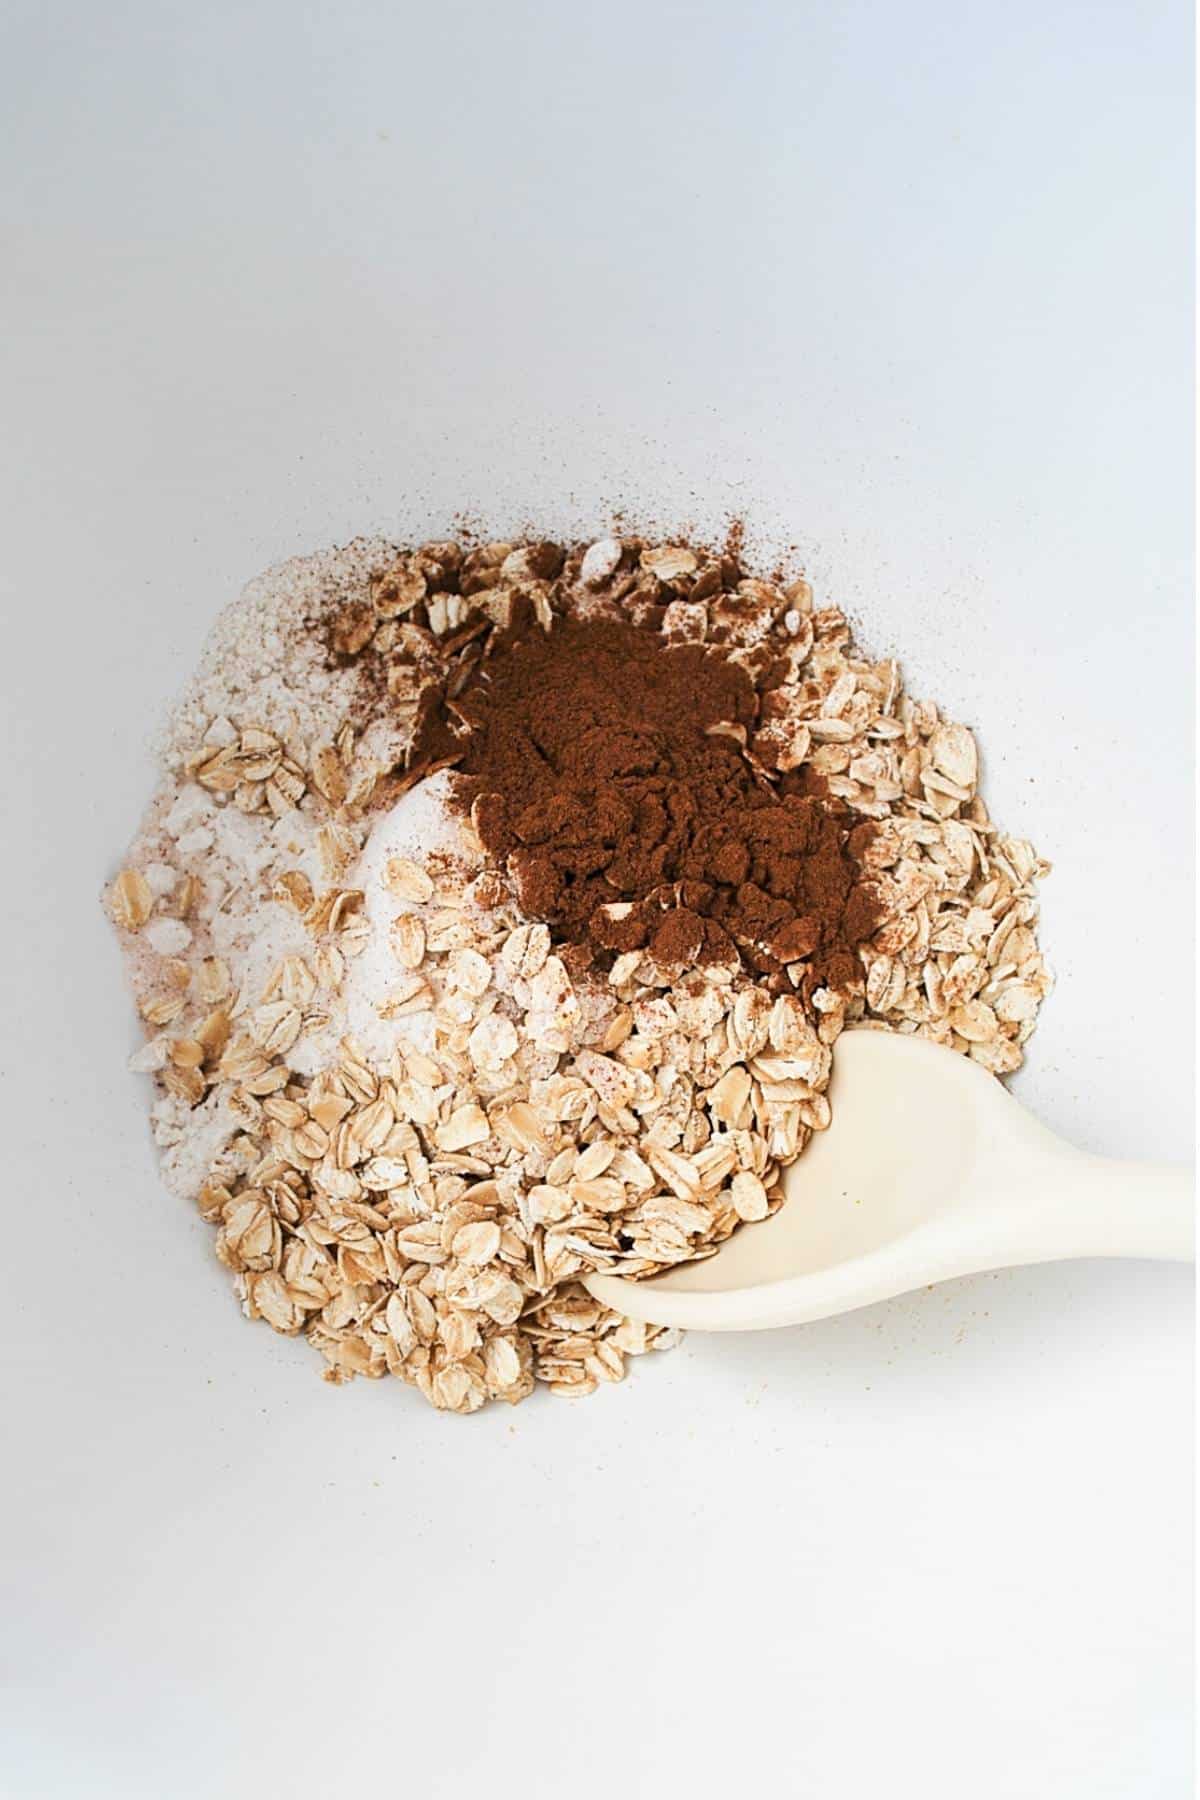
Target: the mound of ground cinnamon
pixel 605 771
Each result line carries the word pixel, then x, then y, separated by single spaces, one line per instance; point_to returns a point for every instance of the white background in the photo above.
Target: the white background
pixel 906 285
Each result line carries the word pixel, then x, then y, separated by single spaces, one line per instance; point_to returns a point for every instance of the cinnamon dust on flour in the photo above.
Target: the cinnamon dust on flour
pixel 605 772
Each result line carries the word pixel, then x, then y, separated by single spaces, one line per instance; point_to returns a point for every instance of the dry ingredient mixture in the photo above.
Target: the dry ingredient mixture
pixel 496 920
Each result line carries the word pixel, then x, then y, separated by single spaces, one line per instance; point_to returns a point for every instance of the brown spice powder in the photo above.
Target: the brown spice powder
pixel 605 771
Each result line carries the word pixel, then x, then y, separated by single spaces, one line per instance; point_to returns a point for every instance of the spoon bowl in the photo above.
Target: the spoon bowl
pixel 929 1169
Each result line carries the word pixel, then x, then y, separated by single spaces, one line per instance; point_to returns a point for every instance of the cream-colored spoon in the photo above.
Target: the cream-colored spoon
pixel 930 1169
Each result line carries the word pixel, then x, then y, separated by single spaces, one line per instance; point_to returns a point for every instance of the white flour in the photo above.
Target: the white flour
pixel 418 824
pixel 265 666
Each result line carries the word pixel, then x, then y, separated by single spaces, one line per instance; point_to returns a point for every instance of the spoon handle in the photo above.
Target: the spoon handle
pixel 1073 1204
